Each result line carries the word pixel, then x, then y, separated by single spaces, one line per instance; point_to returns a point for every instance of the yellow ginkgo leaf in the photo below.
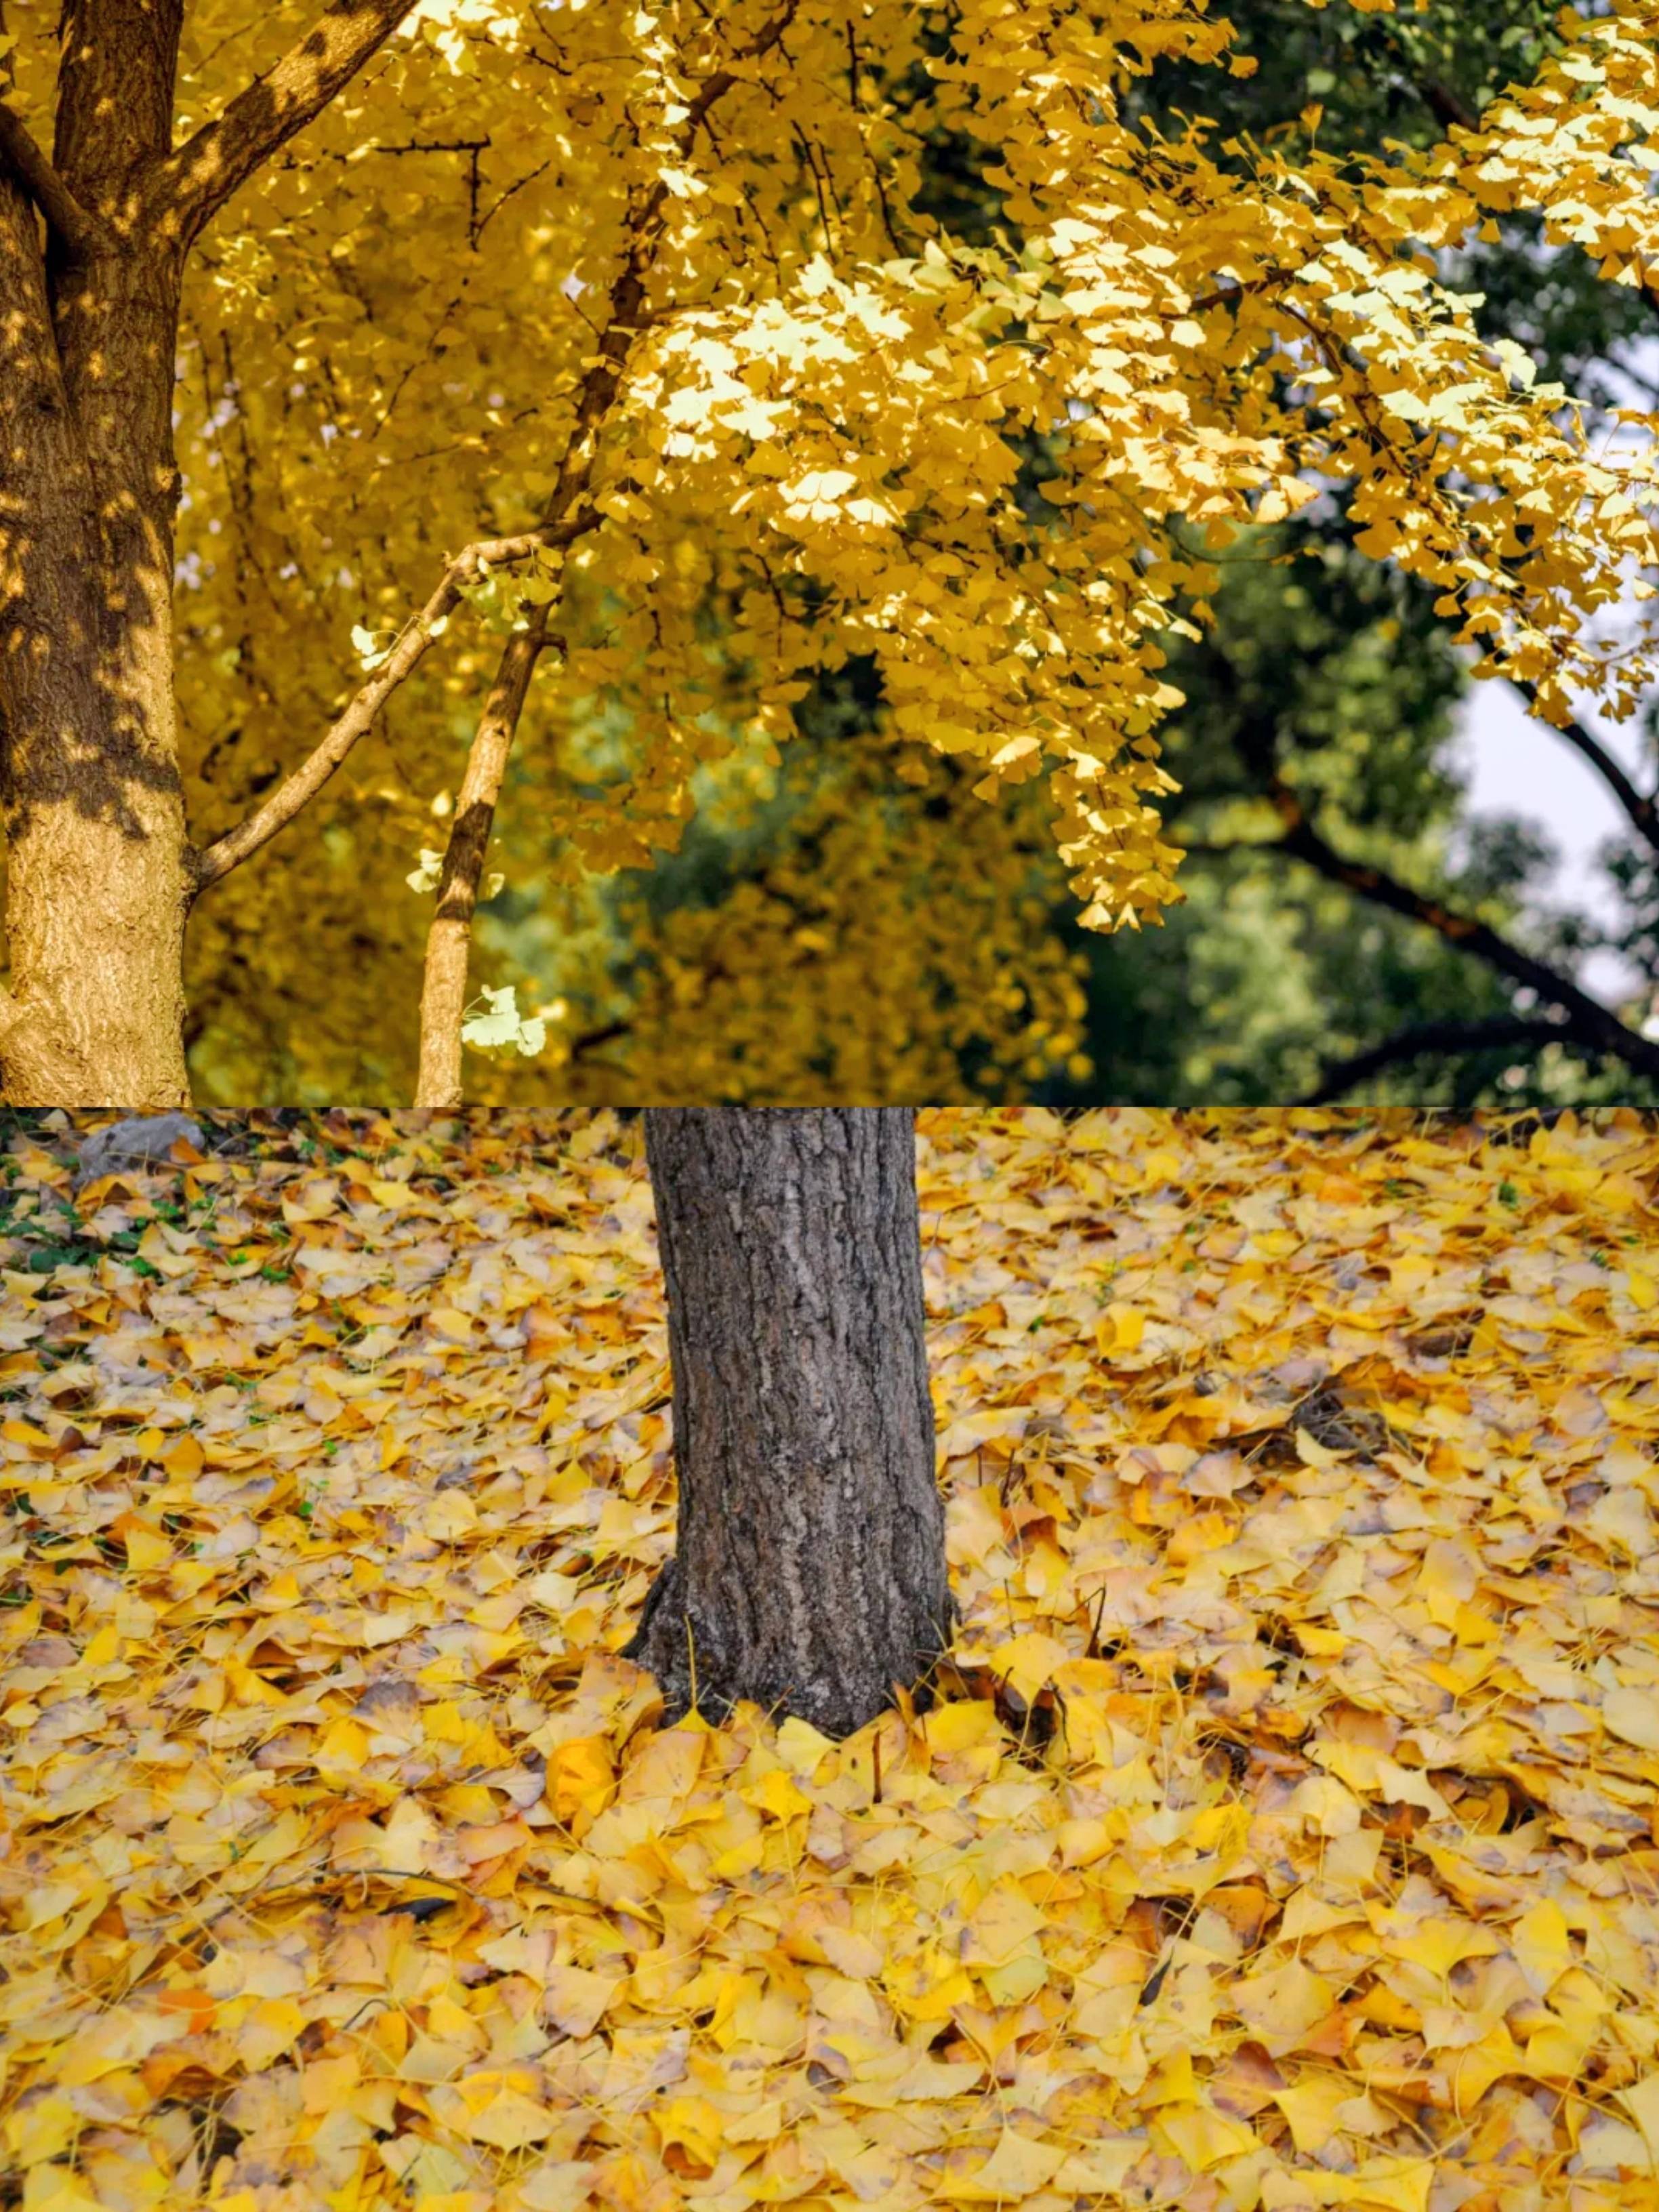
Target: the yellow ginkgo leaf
pixel 1641 2100
pixel 575 2000
pixel 40 2127
pixel 1633 1715
pixel 1203 2137
pixel 1018 2168
pixel 499 2107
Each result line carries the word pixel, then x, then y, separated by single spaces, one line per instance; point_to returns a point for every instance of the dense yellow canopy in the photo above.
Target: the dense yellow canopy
pixel 656 279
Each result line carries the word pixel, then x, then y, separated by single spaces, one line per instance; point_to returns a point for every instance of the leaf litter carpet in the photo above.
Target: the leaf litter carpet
pixel 1283 1835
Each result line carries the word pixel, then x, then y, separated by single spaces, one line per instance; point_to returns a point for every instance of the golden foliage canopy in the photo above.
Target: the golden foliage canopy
pixel 662 280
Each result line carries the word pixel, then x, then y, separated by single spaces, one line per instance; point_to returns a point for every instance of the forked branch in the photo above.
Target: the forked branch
pixel 449 950
pixel 196 179
pixel 258 828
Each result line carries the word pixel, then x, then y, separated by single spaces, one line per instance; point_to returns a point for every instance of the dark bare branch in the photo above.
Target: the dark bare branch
pixel 1589 1021
pixel 226 852
pixel 195 181
pixel 1439 1040
pixel 1445 105
pixel 1642 811
pixel 590 1040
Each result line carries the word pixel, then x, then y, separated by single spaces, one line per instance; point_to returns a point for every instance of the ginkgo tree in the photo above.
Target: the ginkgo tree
pixel 281 463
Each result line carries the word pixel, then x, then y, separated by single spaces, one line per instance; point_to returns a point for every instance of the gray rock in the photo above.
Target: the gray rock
pixel 145 1137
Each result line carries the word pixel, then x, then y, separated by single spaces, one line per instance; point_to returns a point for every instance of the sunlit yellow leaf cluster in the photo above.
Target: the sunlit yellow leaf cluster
pixel 1578 146
pixel 1283 1835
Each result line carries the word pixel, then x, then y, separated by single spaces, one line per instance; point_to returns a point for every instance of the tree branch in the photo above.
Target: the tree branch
pixel 1642 812
pixel 590 1040
pixel 1587 1020
pixel 1446 106
pixel 77 233
pixel 449 944
pixel 196 179
pixel 1422 1038
pixel 559 528
pixel 449 939
pixel 284 803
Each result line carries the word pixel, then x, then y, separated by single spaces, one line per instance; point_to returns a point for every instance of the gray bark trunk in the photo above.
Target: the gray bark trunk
pixel 809 1572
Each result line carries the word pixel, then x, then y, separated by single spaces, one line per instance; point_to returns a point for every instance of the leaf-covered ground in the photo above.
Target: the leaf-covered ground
pixel 1285 1837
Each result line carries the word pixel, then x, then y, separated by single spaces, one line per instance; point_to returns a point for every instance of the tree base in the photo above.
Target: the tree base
pixel 694 1674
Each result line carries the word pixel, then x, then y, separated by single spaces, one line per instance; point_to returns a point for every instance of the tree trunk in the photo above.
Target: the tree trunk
pixel 97 888
pixel 809 1573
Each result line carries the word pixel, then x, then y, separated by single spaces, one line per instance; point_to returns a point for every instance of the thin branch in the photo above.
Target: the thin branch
pixel 449 944
pixel 196 179
pixel 1445 105
pixel 1588 1021
pixel 449 940
pixel 279 810
pixel 79 233
pixel 1504 1031
pixel 1642 811
pixel 1231 291
pixel 590 1040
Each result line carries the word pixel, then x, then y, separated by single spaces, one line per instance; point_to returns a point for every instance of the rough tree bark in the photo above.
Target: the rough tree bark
pixel 94 239
pixel 809 1572
pixel 91 798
